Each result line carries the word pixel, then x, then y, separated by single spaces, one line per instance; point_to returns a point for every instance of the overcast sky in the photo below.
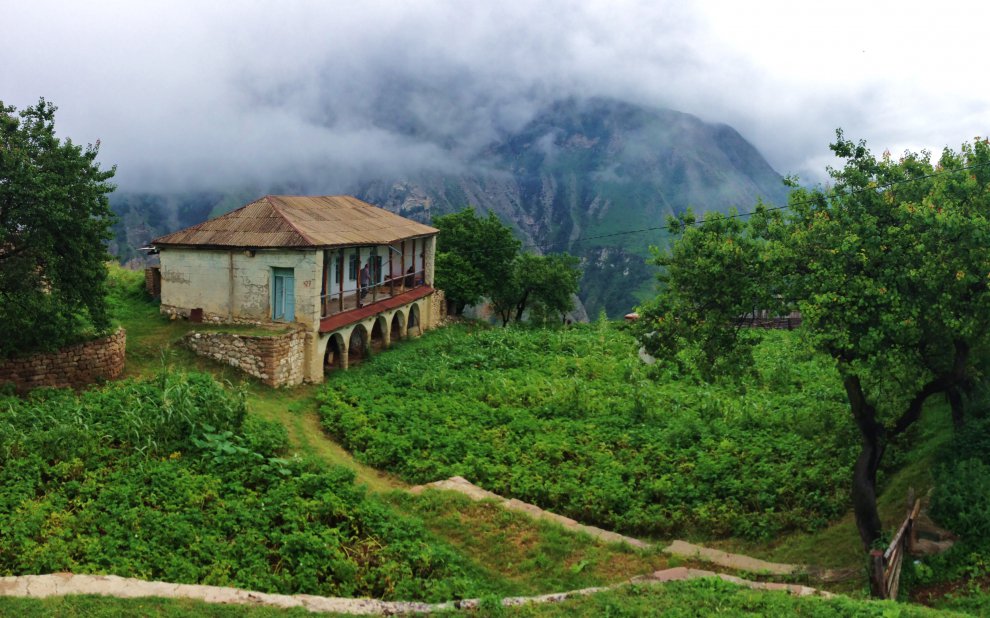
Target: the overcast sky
pixel 199 95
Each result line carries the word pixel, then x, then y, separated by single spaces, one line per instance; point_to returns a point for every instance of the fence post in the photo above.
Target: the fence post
pixel 878 583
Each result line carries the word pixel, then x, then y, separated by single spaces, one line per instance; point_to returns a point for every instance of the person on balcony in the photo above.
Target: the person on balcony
pixel 365 282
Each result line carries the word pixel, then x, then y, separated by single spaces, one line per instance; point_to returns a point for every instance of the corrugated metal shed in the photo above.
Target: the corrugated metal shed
pixel 300 221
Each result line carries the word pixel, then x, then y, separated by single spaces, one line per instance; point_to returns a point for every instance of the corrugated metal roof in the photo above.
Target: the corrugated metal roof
pixel 300 221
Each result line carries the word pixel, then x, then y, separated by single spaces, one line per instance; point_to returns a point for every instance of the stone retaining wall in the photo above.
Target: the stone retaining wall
pixel 75 366
pixel 277 360
pixel 438 309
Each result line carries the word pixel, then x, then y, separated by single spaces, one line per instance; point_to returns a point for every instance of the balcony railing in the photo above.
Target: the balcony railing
pixel 348 300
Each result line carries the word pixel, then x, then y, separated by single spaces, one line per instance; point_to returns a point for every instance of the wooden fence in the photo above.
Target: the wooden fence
pixel 885 566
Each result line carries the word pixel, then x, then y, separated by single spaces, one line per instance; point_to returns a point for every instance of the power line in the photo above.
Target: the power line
pixel 747 214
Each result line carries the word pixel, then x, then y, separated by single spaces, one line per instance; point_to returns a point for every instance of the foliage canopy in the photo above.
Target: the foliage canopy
pixel 888 266
pixel 474 255
pixel 479 258
pixel 54 222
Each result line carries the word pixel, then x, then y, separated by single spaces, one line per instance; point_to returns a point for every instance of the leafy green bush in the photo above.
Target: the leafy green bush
pixel 961 498
pixel 961 502
pixel 571 420
pixel 165 479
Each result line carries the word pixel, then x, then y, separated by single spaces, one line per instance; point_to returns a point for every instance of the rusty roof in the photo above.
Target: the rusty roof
pixel 300 221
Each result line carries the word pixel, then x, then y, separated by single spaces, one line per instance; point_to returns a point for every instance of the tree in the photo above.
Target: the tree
pixel 474 255
pixel 889 268
pixel 543 284
pixel 54 222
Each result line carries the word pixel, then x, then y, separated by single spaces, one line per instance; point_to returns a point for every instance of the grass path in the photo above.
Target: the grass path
pixel 296 409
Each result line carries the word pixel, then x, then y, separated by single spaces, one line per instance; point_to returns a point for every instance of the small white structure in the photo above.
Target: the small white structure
pixel 349 274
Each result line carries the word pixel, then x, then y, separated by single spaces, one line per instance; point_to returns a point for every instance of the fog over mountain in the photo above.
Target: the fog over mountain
pixel 578 177
pixel 203 96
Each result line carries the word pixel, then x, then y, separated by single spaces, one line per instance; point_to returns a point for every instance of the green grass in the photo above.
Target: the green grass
pixel 712 597
pixel 92 606
pixel 696 598
pixel 526 556
pixel 536 556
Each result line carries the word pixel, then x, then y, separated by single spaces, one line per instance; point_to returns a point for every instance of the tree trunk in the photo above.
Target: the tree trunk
pixel 521 306
pixel 955 398
pixel 864 489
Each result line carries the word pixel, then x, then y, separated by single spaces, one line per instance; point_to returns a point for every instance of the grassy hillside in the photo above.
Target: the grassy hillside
pixel 563 417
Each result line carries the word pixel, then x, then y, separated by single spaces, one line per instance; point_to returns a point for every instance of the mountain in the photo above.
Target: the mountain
pixel 578 177
pixel 581 174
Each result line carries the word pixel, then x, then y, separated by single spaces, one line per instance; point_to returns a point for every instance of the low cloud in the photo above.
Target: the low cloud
pixel 320 95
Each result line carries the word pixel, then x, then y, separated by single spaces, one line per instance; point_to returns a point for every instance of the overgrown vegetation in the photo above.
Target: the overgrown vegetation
pixel 961 502
pixel 167 479
pixel 571 420
pixel 889 269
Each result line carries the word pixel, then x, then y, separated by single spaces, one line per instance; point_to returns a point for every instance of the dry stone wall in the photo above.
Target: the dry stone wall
pixel 153 281
pixel 276 360
pixel 74 367
pixel 438 309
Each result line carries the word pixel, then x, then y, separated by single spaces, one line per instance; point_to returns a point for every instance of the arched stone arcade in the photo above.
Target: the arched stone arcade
pixel 351 344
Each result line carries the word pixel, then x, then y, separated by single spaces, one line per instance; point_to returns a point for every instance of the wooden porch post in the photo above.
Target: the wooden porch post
pixel 340 278
pixel 391 272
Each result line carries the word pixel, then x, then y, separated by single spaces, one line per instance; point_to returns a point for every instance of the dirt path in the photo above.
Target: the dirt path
pixel 61 584
pixel 683 549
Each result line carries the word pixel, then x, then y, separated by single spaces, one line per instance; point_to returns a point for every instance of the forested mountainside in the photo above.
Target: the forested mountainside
pixel 572 179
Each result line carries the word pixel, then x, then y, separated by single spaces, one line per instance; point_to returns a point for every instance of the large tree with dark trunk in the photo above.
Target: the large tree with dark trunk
pixel 889 267
pixel 54 224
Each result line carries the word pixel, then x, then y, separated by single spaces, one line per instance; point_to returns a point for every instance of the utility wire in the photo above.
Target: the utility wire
pixel 747 214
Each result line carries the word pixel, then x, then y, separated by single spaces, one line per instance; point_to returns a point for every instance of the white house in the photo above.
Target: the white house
pixel 349 274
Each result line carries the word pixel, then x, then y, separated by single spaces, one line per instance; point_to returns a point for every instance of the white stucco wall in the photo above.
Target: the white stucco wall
pixel 233 285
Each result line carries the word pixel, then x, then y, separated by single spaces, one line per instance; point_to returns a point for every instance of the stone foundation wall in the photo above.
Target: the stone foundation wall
pixel 276 360
pixel 74 367
pixel 438 309
pixel 177 313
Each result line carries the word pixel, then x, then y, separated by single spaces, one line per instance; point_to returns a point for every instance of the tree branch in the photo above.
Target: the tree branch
pixel 940 384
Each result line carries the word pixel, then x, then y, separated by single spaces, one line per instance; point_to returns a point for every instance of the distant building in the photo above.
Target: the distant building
pixel 350 275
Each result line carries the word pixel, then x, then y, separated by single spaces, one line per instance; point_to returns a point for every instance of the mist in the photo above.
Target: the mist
pixel 319 96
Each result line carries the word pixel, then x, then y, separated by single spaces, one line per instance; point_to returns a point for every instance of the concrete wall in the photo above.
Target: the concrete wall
pixel 75 366
pixel 277 360
pixel 235 286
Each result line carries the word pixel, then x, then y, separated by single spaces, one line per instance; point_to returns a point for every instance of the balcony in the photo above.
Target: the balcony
pixel 343 308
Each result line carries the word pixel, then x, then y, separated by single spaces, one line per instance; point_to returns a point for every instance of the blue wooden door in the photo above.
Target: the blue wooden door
pixel 284 295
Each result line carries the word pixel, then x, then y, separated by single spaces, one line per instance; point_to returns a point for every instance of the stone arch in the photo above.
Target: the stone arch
pixel 397 331
pixel 379 334
pixel 414 326
pixel 357 345
pixel 335 356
